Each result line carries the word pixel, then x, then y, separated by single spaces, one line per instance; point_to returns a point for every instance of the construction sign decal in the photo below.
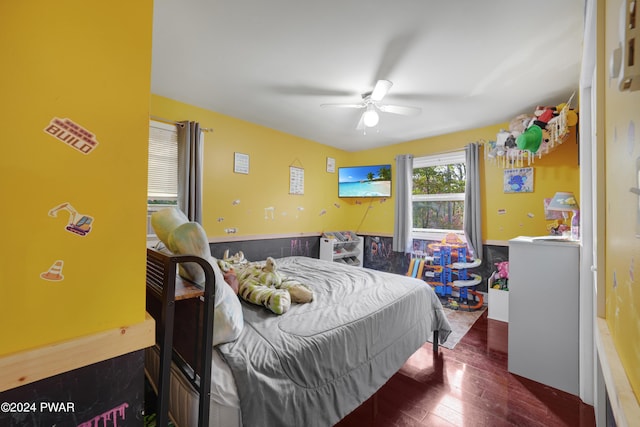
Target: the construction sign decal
pixel 77 224
pixel 72 134
pixel 54 274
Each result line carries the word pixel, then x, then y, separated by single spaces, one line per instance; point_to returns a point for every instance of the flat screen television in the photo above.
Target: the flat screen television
pixel 364 181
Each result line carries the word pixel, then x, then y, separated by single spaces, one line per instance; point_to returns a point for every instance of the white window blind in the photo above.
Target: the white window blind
pixel 439 159
pixel 163 161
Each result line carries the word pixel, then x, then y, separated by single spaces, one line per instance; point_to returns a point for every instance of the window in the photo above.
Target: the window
pixel 162 181
pixel 438 195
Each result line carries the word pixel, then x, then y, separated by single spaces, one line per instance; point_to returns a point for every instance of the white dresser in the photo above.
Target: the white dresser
pixel 544 296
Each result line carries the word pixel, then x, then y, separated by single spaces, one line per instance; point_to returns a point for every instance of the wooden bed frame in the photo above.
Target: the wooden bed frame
pixel 184 328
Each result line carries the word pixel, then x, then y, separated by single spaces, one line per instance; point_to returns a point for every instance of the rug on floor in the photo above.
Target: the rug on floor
pixel 461 321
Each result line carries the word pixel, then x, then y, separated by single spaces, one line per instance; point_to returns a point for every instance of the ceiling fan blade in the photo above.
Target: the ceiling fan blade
pixel 400 109
pixel 342 105
pixel 304 90
pixel 395 51
pixel 380 90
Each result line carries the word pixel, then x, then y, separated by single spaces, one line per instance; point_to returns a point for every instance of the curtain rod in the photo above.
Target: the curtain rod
pixel 173 122
pixel 453 150
pixel 481 141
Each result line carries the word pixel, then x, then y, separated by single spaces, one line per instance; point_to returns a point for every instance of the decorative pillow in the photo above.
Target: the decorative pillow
pixel 189 238
pixel 165 221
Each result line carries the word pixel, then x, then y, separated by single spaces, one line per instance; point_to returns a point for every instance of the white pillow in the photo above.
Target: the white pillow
pixel 190 239
pixel 227 316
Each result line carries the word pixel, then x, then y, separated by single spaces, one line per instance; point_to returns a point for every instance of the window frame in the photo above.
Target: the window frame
pixel 431 160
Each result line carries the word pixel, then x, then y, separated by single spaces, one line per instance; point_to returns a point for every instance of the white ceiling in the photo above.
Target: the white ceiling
pixel 467 64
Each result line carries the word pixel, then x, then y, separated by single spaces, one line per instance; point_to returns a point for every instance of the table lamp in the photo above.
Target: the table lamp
pixel 565 202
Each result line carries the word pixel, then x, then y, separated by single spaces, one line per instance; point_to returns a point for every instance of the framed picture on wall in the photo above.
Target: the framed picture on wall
pixel 518 180
pixel 331 165
pixel 241 163
pixel 296 180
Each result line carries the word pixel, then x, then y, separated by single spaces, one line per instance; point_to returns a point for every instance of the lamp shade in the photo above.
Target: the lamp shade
pixel 564 201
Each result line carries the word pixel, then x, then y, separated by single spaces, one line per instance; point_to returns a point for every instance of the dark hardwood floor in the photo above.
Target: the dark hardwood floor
pixel 468 386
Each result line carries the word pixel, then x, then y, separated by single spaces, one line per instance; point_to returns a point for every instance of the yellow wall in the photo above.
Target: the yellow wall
pixel 523 212
pixel 242 201
pixel 622 145
pixel 90 63
pixel 272 152
pixel 508 215
pixel 383 221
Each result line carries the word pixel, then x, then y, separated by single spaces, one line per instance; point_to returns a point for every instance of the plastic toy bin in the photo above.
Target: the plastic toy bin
pixel 498 303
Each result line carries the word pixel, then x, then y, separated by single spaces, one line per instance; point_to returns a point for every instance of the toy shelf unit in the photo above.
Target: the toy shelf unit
pixel 345 247
pixel 447 276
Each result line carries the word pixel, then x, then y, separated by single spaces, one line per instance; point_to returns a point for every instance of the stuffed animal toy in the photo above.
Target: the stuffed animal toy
pixel 503 269
pixel 236 259
pixel 262 284
pixel 519 123
pixel 510 142
pixel 501 277
pixel 544 115
pixel 530 139
pixel 546 138
pixel 228 263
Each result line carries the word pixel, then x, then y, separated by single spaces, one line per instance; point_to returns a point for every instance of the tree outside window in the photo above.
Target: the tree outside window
pixel 438 193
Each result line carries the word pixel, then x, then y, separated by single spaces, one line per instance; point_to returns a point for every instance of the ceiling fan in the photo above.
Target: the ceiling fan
pixel 372 103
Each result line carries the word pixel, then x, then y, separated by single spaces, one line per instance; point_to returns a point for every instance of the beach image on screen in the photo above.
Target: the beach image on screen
pixel 365 181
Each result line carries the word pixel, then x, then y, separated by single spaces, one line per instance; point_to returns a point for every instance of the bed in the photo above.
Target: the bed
pixel 310 366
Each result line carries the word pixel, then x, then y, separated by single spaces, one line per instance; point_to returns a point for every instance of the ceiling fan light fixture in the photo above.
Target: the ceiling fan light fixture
pixel 370 118
pixel 373 106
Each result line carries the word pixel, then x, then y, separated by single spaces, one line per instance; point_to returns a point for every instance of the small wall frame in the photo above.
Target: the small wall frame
pixel 518 180
pixel 296 180
pixel 241 163
pixel 331 165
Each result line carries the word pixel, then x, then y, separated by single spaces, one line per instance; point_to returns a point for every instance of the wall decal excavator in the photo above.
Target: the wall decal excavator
pixel 78 224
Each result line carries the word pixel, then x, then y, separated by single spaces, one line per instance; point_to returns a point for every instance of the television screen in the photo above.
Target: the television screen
pixel 364 181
